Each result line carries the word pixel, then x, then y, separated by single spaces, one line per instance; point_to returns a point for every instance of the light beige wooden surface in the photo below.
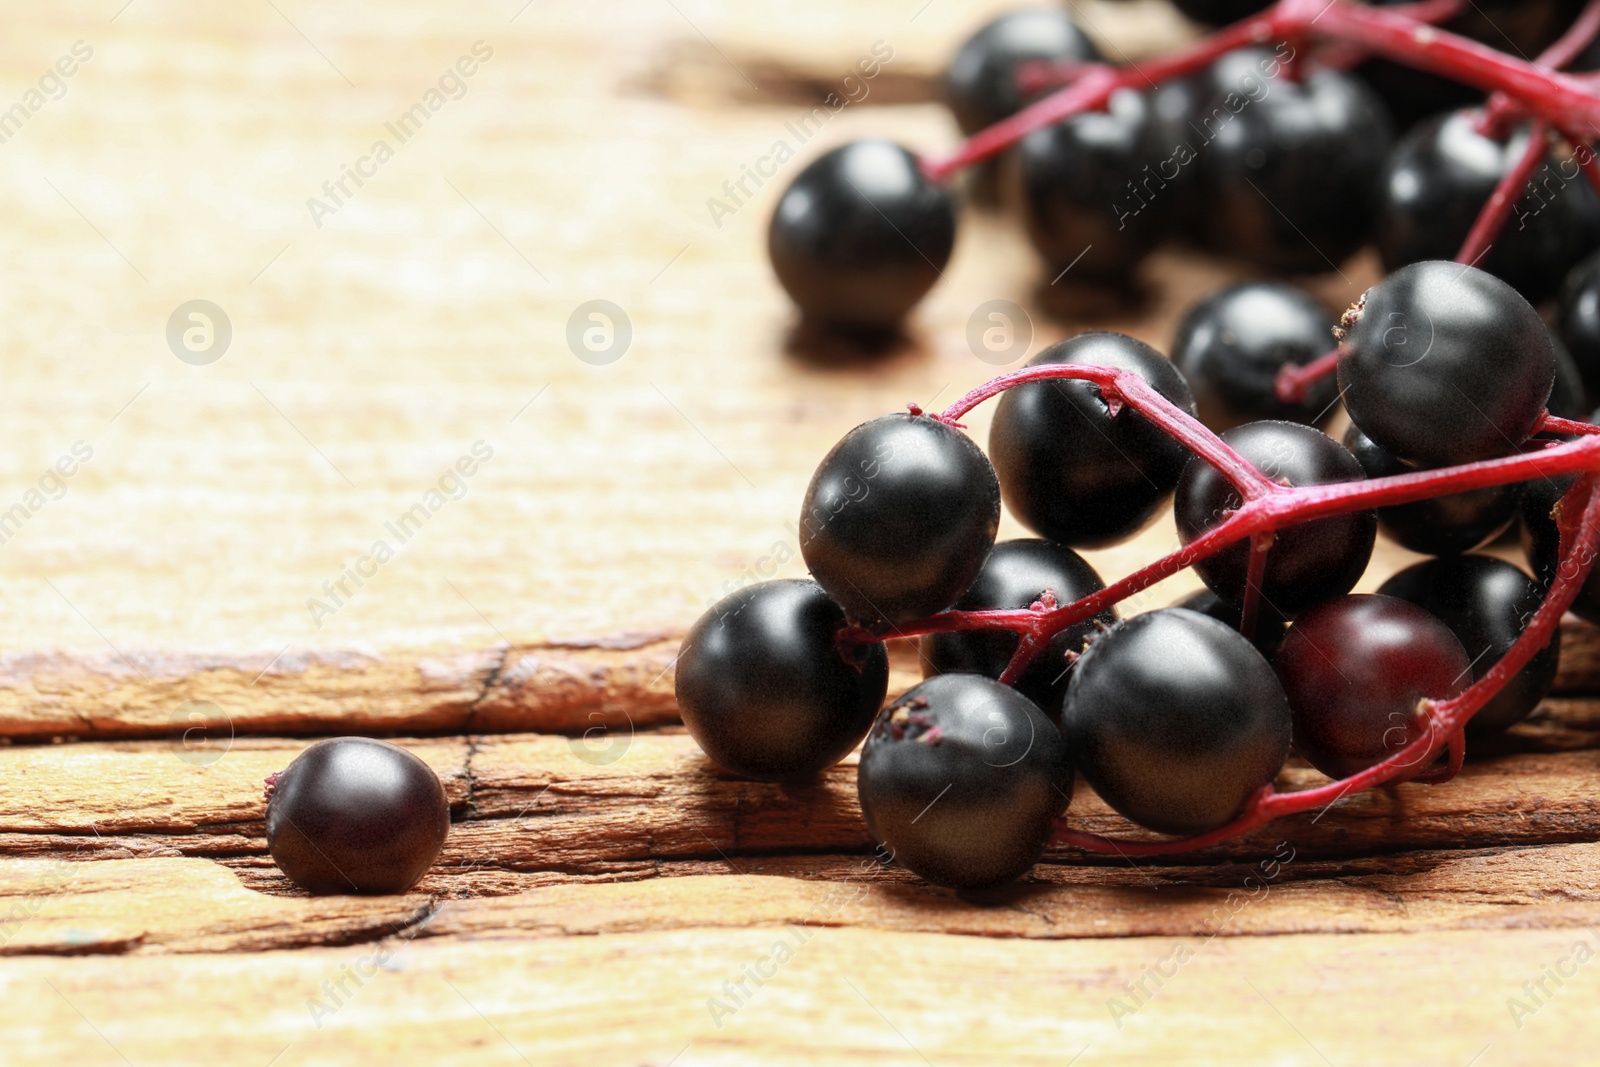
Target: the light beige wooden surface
pixel 595 894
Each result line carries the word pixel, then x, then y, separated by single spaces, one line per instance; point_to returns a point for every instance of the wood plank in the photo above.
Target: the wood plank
pixel 842 996
pixel 63 907
pixel 603 685
pixel 539 809
pixel 569 686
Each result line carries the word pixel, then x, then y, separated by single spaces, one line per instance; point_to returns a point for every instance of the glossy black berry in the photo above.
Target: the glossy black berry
pixel 1270 626
pixel 1541 541
pixel 1445 364
pixel 899 517
pixel 1015 575
pixel 1080 205
pixel 356 815
pixel 981 85
pixel 1186 115
pixel 767 691
pixel 1486 602
pixel 963 778
pixel 1579 321
pixel 1287 175
pixel 1176 720
pixel 1232 344
pixel 1436 182
pixel 1355 669
pixel 1438 526
pixel 861 235
pixel 1071 470
pixel 1310 562
pixel 1175 177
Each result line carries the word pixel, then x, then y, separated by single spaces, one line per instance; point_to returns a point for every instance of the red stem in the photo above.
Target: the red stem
pixel 1506 193
pixel 1559 425
pixel 1432 12
pixel 1295 380
pixel 1044 74
pixel 1285 506
pixel 1570 45
pixel 1268 506
pixel 1563 101
pixel 1255 578
pixel 1502 109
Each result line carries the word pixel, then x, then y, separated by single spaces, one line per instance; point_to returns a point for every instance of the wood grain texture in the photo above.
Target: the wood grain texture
pixel 598 687
pixel 536 809
pixel 67 907
pixel 181 613
pixel 840 996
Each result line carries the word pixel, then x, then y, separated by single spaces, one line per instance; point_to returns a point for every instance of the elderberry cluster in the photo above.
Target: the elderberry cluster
pixel 1175 717
pixel 1181 718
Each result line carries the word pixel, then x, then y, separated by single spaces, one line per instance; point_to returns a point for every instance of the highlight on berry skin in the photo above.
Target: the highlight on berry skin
pixel 1277 439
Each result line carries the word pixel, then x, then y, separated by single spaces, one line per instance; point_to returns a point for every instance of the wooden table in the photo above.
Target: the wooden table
pixel 203 594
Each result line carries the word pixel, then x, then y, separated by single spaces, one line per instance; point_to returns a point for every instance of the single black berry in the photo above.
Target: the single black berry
pixel 899 517
pixel 1016 574
pixel 766 688
pixel 1071 469
pixel 1436 182
pixel 861 235
pixel 1080 207
pixel 1441 525
pixel 1443 363
pixel 356 815
pixel 1287 174
pixel 1232 345
pixel 1486 602
pixel 1309 562
pixel 963 778
pixel 982 86
pixel 1355 671
pixel 1174 178
pixel 1176 720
